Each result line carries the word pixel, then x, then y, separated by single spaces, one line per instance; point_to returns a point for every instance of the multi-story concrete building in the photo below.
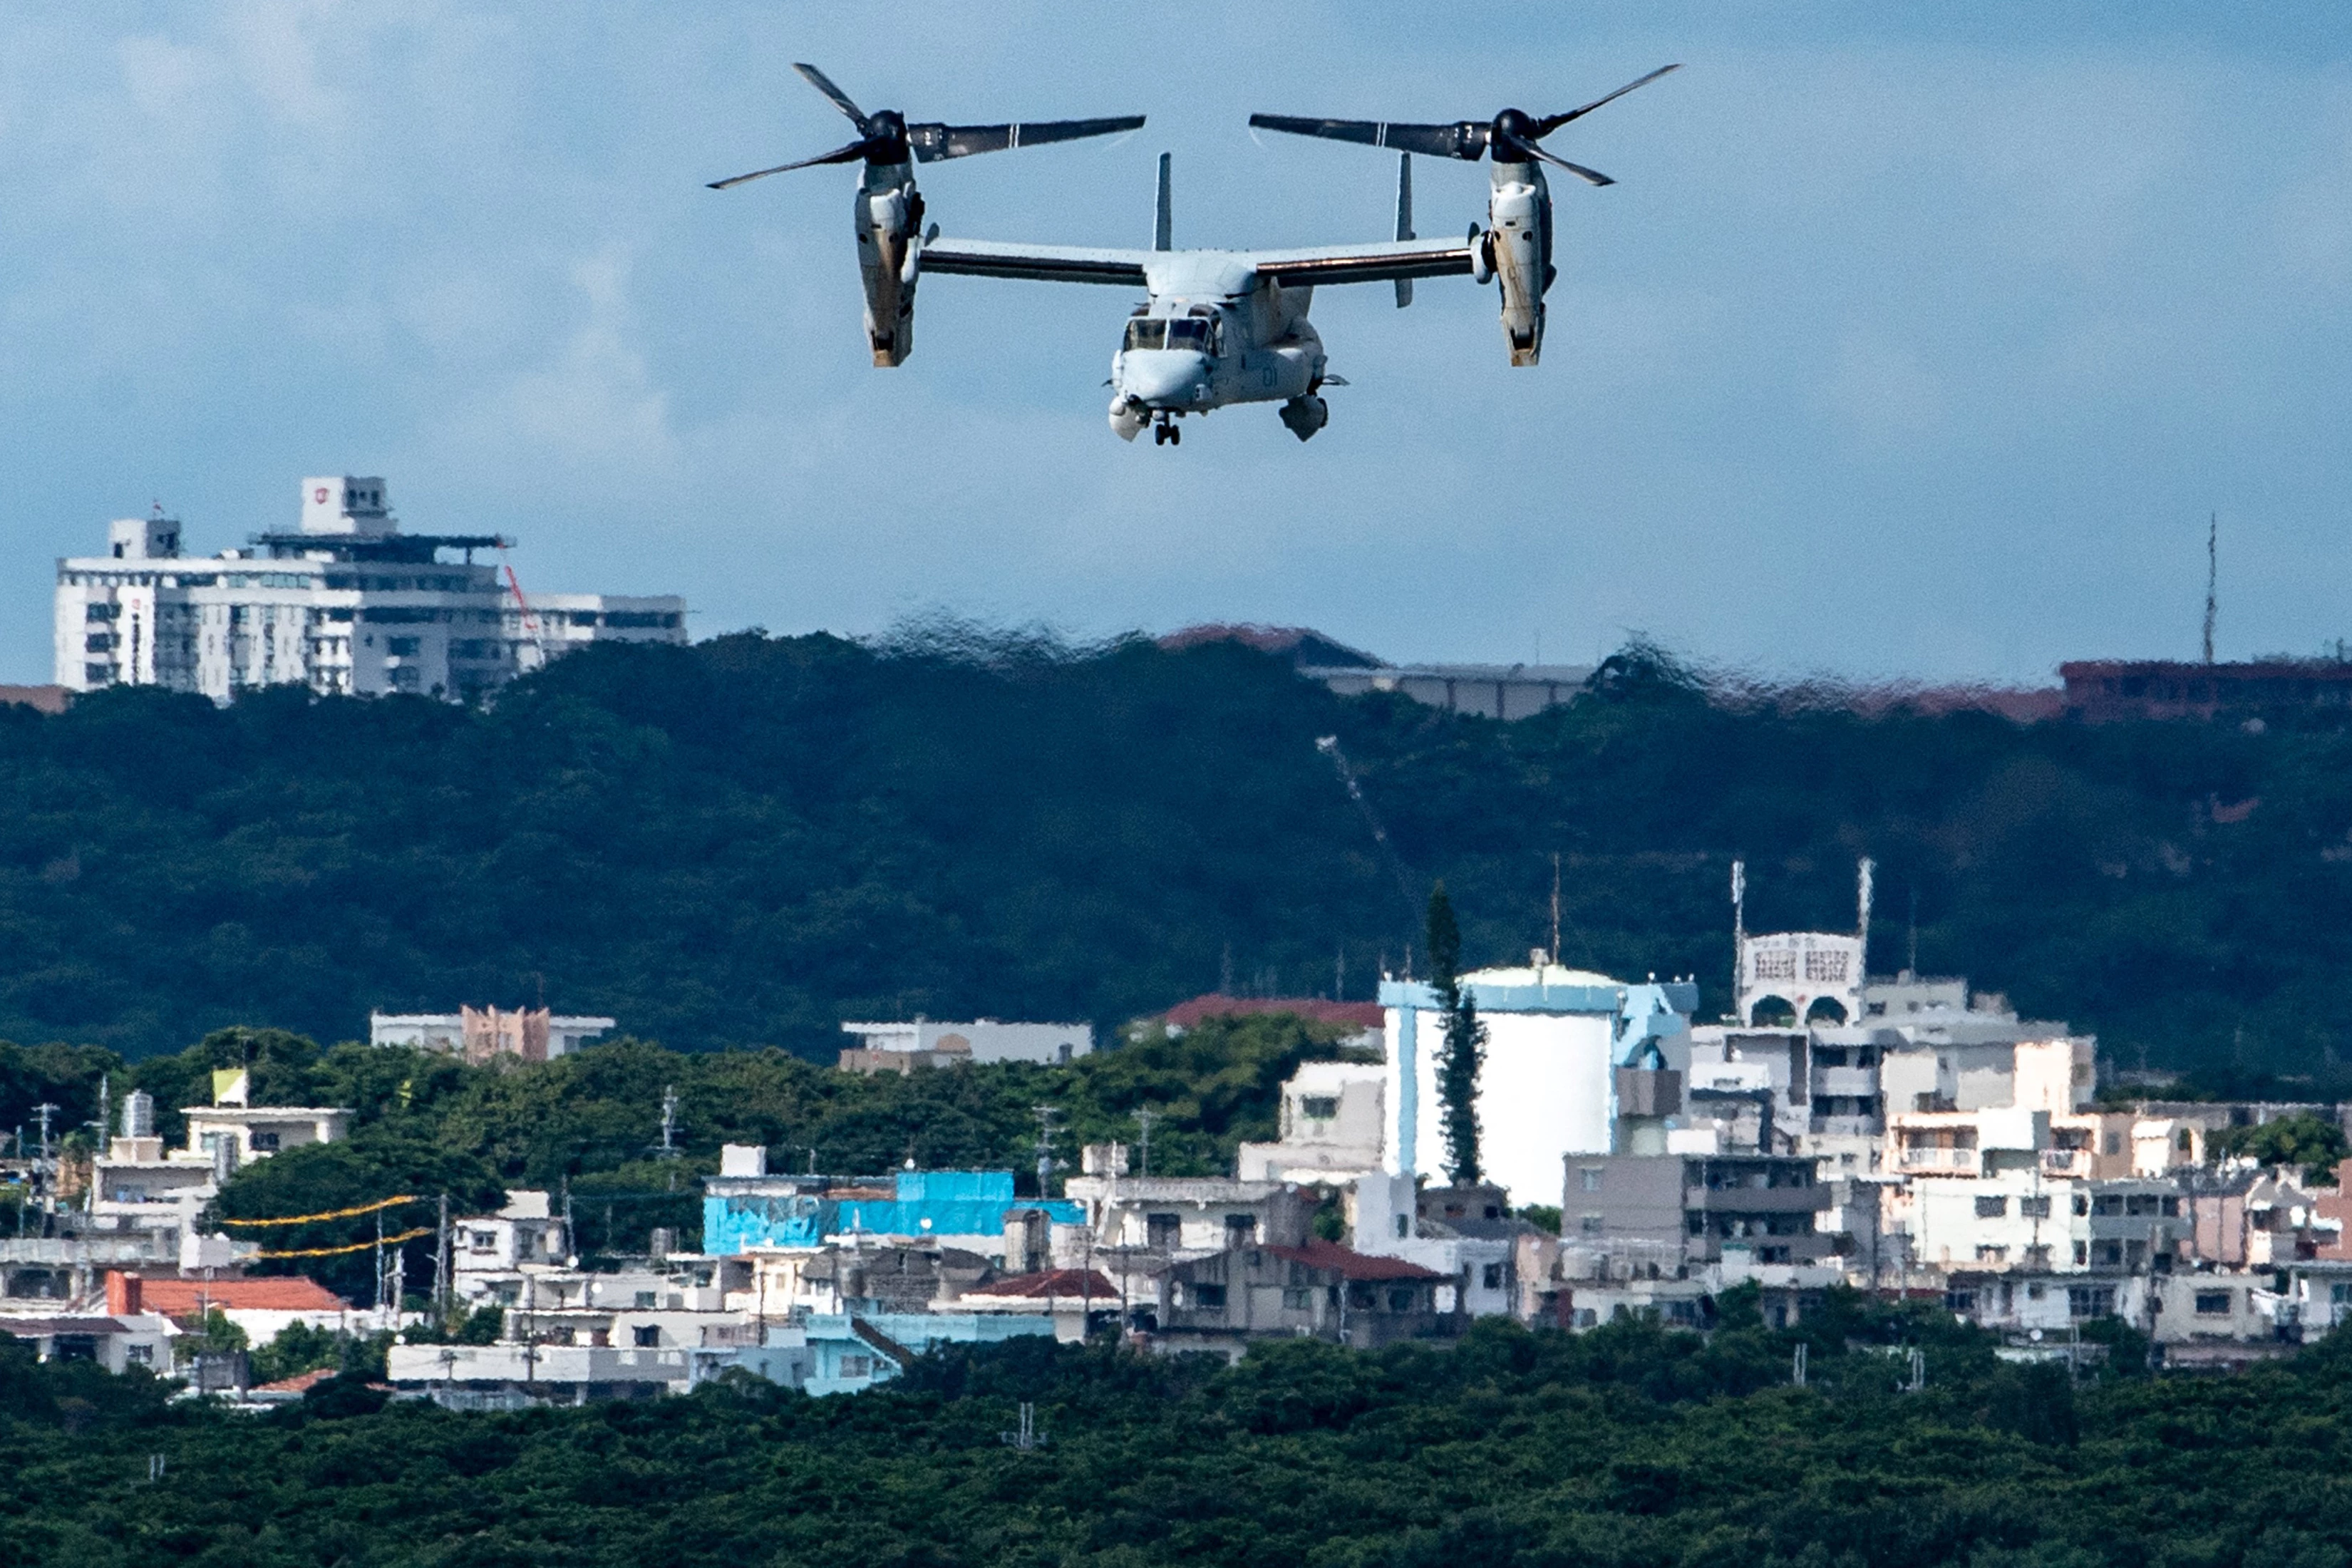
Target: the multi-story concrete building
pixel 346 603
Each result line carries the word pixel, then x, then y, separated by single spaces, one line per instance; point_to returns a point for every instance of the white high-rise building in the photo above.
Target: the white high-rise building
pixel 346 603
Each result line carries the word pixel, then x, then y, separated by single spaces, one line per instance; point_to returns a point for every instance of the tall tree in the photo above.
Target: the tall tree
pixel 1465 1042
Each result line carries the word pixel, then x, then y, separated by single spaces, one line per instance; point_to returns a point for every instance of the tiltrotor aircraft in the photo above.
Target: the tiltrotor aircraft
pixel 1217 327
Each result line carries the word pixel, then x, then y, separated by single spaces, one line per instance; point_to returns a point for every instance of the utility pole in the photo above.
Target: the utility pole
pixel 1143 1121
pixel 1555 909
pixel 441 1264
pixel 46 1110
pixel 1797 1366
pixel 669 1122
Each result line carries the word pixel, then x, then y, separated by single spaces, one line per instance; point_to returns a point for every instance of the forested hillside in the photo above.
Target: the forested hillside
pixel 1629 1446
pixel 744 842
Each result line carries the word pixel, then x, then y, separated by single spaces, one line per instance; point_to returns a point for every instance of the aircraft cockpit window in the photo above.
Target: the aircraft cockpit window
pixel 1192 333
pixel 1147 332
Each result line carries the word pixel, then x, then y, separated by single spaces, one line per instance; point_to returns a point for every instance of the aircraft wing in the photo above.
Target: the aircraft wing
pixel 1376 263
pixel 1046 263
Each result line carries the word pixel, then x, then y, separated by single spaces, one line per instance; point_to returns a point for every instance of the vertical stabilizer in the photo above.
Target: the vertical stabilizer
pixel 1404 222
pixel 1163 222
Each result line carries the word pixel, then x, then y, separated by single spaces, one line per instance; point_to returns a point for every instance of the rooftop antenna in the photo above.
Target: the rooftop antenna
pixel 1739 931
pixel 2213 574
pixel 1863 876
pixel 46 1110
pixel 1912 967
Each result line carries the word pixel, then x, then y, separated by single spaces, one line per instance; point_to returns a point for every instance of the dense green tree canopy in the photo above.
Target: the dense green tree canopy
pixel 746 841
pixel 1627 1447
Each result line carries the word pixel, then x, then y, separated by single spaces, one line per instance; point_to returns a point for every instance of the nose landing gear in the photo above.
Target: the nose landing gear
pixel 1167 432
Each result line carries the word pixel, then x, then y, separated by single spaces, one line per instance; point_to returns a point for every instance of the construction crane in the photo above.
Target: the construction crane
pixel 529 621
pixel 1330 746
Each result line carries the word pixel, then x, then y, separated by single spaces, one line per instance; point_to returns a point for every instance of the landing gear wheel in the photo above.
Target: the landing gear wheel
pixel 1175 435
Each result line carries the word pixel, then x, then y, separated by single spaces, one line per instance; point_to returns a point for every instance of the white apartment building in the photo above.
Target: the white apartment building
pixel 346 603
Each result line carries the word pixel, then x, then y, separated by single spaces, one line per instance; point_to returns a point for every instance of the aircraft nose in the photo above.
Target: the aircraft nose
pixel 1163 377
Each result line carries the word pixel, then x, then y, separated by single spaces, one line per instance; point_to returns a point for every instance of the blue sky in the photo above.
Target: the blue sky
pixel 1908 346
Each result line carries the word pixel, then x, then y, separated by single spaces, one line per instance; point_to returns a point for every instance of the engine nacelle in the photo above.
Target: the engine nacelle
pixel 1518 239
pixel 888 219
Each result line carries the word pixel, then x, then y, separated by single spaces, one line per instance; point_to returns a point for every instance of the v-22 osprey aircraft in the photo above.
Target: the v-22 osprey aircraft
pixel 1217 327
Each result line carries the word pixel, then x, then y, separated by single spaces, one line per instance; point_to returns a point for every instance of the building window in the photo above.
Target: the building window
pixel 1401 1301
pixel 2090 1300
pixel 1492 1276
pixel 2034 1208
pixel 2115 1143
pixel 2186 1143
pixel 1209 1297
pixel 856 1365
pixel 265 1143
pixel 482 1241
pixel 1591 1178
pixel 1165 1230
pixel 645 1299
pixel 139 1355
pixel 1294 1300
pixel 1319 1107
pixel 1992 1208
pixel 1241 1229
pixel 646 1335
pixel 2213 1303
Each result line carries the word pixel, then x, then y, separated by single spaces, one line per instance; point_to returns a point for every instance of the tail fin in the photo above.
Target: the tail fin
pixel 1164 225
pixel 1405 220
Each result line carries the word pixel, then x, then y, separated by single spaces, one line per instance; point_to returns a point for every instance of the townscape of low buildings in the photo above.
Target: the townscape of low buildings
pixel 1902 1135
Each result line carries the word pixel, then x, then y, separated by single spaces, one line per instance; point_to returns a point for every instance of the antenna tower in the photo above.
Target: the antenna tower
pixel 2212 575
pixel 1738 933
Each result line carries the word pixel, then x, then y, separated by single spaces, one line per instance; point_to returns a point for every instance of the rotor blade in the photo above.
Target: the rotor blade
pixel 850 154
pixel 841 100
pixel 1465 139
pixel 933 142
pixel 1529 150
pixel 1550 123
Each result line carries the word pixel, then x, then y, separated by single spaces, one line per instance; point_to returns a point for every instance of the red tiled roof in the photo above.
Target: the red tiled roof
pixel 300 1383
pixel 1349 1264
pixel 1315 1009
pixel 1055 1282
pixel 290 1293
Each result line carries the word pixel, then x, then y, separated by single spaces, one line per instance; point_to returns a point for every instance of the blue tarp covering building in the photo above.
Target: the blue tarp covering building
pixel 807 1211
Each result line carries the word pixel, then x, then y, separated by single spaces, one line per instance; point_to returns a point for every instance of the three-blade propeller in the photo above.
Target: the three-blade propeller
pixel 885 138
pixel 1510 136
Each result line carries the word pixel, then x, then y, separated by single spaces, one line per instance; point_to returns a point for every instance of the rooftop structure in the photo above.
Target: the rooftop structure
pixel 1555 1040
pixel 483 1034
pixel 2101 691
pixel 901 1048
pixel 1489 690
pixel 345 602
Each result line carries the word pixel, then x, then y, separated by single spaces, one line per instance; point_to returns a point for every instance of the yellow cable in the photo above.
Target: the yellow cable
pixel 355 1246
pixel 338 1214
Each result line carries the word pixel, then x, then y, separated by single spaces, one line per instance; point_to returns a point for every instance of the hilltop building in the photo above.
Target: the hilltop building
pixel 484 1034
pixel 346 603
pixel 901 1048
